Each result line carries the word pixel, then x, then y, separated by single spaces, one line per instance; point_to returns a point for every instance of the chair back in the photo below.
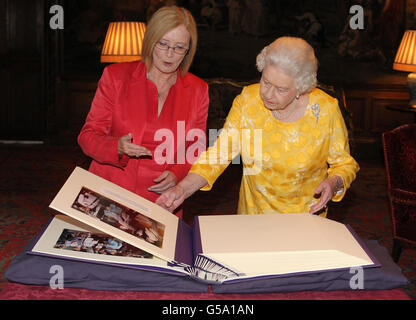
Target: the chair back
pixel 399 146
pixel 338 92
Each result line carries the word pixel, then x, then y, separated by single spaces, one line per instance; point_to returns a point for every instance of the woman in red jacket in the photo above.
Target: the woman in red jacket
pixel 148 118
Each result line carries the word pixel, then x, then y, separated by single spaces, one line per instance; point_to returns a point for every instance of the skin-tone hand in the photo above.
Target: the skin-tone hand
pixel 326 189
pixel 174 197
pixel 126 146
pixel 164 182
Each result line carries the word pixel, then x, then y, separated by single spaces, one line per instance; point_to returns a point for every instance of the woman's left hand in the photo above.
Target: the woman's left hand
pixel 326 189
pixel 164 182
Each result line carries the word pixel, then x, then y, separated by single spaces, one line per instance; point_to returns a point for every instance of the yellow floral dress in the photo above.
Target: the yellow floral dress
pixel 283 162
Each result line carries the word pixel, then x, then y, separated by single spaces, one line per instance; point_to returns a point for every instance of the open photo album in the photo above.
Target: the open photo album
pixel 104 223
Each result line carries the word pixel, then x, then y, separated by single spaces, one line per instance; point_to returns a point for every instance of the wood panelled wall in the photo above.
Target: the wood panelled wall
pixel 368 104
pixel 372 114
pixel 73 102
pixel 37 104
pixel 371 108
pixel 27 69
pixel 22 114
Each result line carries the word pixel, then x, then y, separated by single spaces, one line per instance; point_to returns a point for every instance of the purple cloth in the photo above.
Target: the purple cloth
pixel 387 276
pixel 31 269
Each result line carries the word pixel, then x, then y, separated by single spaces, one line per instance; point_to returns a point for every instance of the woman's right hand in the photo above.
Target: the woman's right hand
pixel 125 146
pixel 172 198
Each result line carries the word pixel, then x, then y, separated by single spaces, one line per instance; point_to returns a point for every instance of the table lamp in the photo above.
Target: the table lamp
pixel 123 42
pixel 405 60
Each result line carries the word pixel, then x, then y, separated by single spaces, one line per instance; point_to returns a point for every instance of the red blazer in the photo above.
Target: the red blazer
pixel 121 105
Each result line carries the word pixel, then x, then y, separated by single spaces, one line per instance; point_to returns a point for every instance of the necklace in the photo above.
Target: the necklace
pixel 159 92
pixel 286 113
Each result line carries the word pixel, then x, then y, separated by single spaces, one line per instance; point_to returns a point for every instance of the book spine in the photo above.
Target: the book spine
pixel 183 249
pixel 362 244
pixel 196 239
pixel 209 271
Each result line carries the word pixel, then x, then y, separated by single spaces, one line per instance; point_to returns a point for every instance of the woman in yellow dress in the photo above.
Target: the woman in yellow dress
pixel 290 135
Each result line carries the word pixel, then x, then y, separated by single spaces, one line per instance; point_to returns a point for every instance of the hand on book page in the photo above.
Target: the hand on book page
pixel 172 198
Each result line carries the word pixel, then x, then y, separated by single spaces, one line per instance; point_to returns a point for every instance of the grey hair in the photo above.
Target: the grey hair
pixel 295 57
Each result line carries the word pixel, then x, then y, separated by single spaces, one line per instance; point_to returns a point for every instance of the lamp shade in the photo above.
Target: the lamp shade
pixel 405 59
pixel 123 42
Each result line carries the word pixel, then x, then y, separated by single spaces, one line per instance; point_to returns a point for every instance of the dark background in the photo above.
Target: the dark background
pixel 48 77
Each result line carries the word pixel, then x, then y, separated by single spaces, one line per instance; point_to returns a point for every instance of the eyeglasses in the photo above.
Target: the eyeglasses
pixel 164 46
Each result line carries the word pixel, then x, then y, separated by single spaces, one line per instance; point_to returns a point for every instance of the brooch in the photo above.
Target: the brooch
pixel 315 111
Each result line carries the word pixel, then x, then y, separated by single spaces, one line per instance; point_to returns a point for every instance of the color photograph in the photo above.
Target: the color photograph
pixel 119 216
pixel 81 241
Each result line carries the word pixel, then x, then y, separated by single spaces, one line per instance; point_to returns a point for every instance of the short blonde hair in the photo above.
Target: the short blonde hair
pixel 295 57
pixel 162 21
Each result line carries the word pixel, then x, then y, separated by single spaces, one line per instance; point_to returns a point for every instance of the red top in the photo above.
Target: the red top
pixel 126 101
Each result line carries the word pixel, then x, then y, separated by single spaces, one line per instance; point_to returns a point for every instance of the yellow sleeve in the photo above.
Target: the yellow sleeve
pixel 212 163
pixel 340 161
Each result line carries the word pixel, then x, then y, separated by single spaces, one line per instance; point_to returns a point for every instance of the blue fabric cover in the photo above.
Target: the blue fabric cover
pixel 31 269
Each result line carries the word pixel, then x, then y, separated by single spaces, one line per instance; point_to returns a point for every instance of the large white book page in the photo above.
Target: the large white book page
pixel 118 212
pixel 279 243
pixel 69 238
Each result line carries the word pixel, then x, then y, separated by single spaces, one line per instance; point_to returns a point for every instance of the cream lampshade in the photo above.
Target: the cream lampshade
pixel 123 42
pixel 405 60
